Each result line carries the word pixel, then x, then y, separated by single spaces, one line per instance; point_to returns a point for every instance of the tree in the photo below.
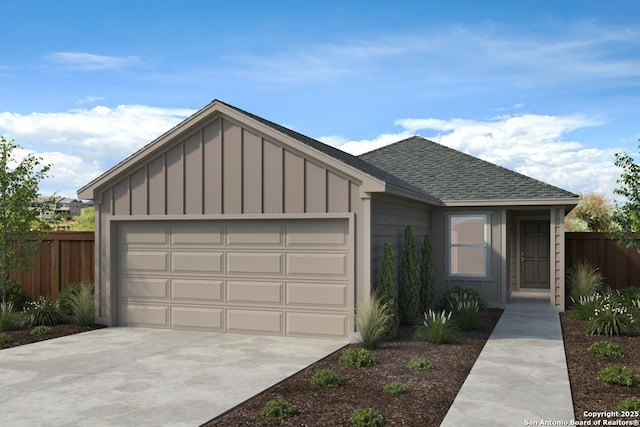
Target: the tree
pixel 19 182
pixel 627 215
pixel 388 291
pixel 427 276
pixel 593 213
pixel 409 280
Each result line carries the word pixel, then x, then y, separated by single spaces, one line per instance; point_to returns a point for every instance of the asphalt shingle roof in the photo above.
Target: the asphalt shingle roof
pixel 449 175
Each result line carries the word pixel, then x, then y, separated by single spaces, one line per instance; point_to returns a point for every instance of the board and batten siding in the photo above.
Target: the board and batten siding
pixel 389 218
pixel 491 288
pixel 221 169
pixel 557 262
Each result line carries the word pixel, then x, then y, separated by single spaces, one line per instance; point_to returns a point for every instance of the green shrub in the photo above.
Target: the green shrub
pixel 396 387
pixel 606 349
pixel 409 280
pixel 420 364
pixel 9 319
pixel 15 294
pixel 366 418
pixel 629 404
pixel 64 298
pixel 326 378
pixel 356 357
pixel 629 296
pixel 388 291
pixel 619 375
pixel 583 280
pixel 462 294
pixel 611 317
pixel 41 312
pixel 277 409
pixel 427 276
pixel 82 304
pixel 371 320
pixel 41 330
pixel 437 328
pixel 585 306
pixel 5 338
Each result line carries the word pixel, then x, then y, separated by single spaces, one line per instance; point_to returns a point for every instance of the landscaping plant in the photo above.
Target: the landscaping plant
pixel 5 338
pixel 629 404
pixel 326 378
pixel 16 294
pixel 409 280
pixel 356 357
pixel 41 312
pixel 366 417
pixel 585 306
pixel 583 279
pixel 427 276
pixel 277 409
pixel 420 364
pixel 437 328
pixel 461 293
pixel 396 387
pixel 611 317
pixel 619 375
pixel 371 320
pixel 9 318
pixel 388 292
pixel 41 330
pixel 82 304
pixel 606 349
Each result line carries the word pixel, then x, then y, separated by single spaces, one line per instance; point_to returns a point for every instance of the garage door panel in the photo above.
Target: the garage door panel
pixel 197 233
pixel 196 262
pixel 197 290
pixel 197 318
pixel 317 294
pixel 143 288
pixel 316 324
pixel 254 233
pixel 144 233
pixel 252 263
pixel 136 261
pixel 315 264
pixel 254 292
pixel 144 315
pixel 255 321
pixel 317 233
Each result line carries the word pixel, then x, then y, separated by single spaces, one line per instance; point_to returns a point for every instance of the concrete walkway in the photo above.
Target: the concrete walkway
pixel 521 375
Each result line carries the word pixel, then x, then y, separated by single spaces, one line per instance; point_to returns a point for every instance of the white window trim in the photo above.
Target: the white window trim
pixel 486 245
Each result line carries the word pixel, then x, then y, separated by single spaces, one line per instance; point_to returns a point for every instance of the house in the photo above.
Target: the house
pixel 60 207
pixel 229 222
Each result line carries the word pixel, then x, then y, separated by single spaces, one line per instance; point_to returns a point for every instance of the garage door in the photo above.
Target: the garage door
pixel 253 276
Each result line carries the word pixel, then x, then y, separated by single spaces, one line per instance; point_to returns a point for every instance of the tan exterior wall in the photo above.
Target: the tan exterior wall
pixel 225 168
pixel 389 218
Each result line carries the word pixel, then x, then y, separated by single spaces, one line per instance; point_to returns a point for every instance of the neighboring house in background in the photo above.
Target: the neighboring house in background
pixel 229 222
pixel 60 207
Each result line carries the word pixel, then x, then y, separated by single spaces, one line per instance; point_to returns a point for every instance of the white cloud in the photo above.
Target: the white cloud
pixel 80 144
pixel 89 61
pixel 534 145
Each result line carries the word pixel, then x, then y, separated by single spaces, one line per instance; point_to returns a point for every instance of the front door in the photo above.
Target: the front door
pixel 534 254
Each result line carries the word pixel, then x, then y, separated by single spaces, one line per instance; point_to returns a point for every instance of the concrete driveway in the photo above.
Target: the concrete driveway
pixel 135 376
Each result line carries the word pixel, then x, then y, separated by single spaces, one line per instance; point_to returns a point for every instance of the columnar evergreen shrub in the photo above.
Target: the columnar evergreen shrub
pixel 409 280
pixel 427 276
pixel 388 292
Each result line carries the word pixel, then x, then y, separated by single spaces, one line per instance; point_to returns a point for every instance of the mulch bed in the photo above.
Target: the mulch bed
pixel 589 394
pixel 431 395
pixel 23 336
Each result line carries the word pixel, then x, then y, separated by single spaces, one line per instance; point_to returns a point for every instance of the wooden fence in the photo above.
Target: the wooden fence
pixel 619 266
pixel 64 258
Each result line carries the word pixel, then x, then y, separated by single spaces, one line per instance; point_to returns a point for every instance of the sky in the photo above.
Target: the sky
pixel 550 89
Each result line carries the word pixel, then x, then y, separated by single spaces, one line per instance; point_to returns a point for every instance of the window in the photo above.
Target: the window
pixel 468 245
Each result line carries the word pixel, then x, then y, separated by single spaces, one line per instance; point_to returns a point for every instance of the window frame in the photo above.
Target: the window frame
pixel 486 245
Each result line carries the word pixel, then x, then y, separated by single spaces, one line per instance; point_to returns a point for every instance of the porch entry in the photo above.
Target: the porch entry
pixel 534 254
